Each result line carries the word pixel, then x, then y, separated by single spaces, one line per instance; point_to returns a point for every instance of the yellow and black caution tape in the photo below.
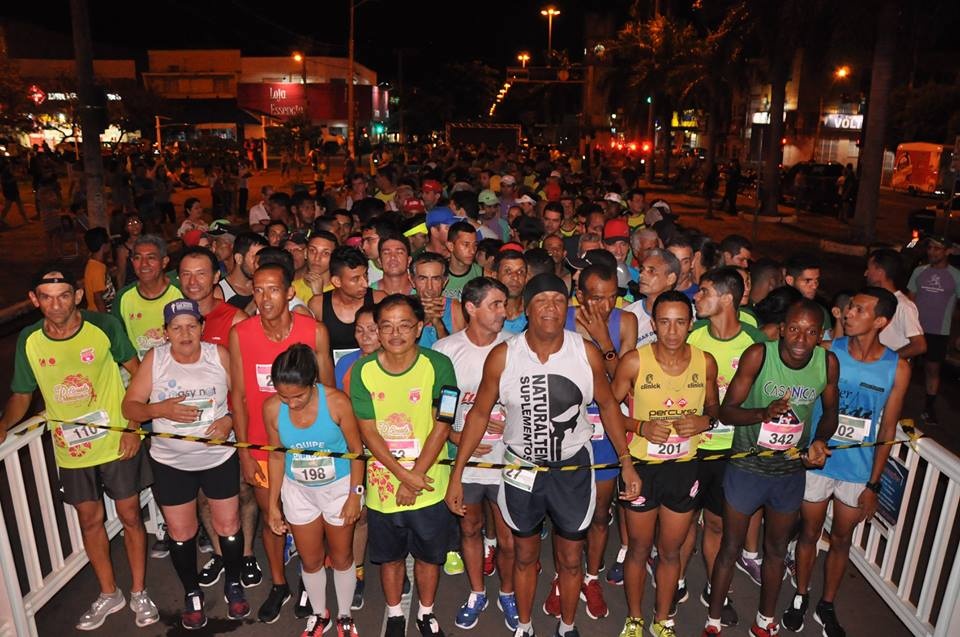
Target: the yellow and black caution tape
pixel 793 453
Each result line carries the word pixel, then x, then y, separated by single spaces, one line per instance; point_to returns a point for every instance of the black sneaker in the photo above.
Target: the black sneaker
pixel 573 632
pixel 203 542
pixel 396 627
pixel 357 602
pixel 303 609
pixel 523 633
pixel 270 610
pixel 793 617
pixel 211 571
pixel 250 573
pixel 429 626
pixel 728 614
pixel 678 598
pixel 826 616
pixel 160 549
pixel 406 584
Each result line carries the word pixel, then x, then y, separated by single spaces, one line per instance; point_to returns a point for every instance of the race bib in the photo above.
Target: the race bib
pixel 313 471
pixel 81 433
pixel 264 380
pixel 522 479
pixel 593 417
pixel 206 407
pixel 675 447
pixel 405 450
pixel 782 434
pixel 852 429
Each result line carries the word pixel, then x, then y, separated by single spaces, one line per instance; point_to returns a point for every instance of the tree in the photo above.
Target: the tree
pixel 13 96
pixel 457 91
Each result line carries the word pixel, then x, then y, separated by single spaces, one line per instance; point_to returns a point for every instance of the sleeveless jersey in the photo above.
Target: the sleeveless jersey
pixel 659 396
pixel 79 378
pixel 342 337
pixel 204 386
pixel 217 324
pixel 727 354
pixel 864 390
pixel 546 403
pixel 791 429
pixel 323 434
pixel 257 354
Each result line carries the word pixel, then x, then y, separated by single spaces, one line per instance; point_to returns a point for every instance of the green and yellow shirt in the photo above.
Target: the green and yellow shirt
pixel 142 317
pixel 80 381
pixel 402 406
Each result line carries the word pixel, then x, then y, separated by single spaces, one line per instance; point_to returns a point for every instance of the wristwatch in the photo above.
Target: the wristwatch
pixel 610 355
pixel 359 490
pixel 873 486
pixel 713 423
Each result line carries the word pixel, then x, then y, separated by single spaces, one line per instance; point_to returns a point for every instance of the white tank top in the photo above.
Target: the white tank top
pixel 546 403
pixel 204 384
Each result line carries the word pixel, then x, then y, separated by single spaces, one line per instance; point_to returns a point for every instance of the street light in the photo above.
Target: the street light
pixel 840 73
pixel 302 60
pixel 524 57
pixel 550 12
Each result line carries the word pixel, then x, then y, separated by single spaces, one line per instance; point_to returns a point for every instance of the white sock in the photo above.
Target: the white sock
pixel 749 555
pixel 681 583
pixel 424 610
pixel 474 595
pixel 622 553
pixel 762 621
pixel 525 628
pixel 394 611
pixel 563 629
pixel 713 622
pixel 488 542
pixel 587 578
pixel 344 583
pixel 316 586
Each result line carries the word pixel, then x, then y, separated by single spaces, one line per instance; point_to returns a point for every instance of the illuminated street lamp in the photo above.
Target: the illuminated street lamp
pixel 841 73
pixel 524 57
pixel 550 12
pixel 302 60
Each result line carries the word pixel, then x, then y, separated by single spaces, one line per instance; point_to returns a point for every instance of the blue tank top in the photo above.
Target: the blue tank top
pixel 323 434
pixel 864 389
pixel 516 325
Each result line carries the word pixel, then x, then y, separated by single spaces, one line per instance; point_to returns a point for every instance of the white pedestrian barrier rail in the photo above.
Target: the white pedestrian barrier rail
pixel 909 551
pixel 41 547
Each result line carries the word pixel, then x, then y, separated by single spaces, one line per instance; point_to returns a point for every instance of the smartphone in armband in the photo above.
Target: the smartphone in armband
pixel 447 405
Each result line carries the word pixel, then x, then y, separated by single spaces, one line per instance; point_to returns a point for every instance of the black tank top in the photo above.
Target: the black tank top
pixel 341 334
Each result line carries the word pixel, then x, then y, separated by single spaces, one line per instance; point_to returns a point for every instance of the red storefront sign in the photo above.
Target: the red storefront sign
pixel 324 102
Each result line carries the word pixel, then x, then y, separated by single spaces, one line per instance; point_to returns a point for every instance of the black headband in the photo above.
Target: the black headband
pixel 544 282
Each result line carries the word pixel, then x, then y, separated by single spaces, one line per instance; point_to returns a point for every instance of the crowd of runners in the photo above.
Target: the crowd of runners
pixel 489 310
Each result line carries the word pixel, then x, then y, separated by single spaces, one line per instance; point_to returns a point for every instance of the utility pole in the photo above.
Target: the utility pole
pixel 351 141
pixel 92 116
pixel 403 130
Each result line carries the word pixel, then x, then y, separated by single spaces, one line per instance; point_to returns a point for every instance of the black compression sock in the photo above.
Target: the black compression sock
pixel 184 558
pixel 231 547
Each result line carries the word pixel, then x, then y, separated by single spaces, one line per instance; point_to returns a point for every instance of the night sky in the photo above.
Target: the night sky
pixel 430 31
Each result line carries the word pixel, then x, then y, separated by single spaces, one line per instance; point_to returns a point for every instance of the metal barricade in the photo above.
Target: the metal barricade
pixel 41 546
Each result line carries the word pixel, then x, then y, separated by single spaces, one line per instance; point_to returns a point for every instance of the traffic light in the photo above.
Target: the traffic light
pixel 378 129
pixel 645 147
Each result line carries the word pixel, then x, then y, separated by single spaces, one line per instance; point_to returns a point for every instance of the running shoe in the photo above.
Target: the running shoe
pixel 429 626
pixel 406 584
pixel 728 614
pixel 396 627
pixel 551 606
pixel 317 625
pixel 663 628
pixel 237 605
pixel 615 574
pixel 523 633
pixel 203 541
pixel 826 616
pixel 270 609
pixel 489 560
pixel 193 617
pixel 573 632
pixel 454 564
pixel 289 549
pixel 302 609
pixel 592 594
pixel 750 566
pixel 102 606
pixel 250 573
pixel 144 609
pixel 793 617
pixel 678 598
pixel 507 602
pixel 652 562
pixel 709 631
pixel 211 571
pixel 790 569
pixel 346 627
pixel 633 627
pixel 469 613
pixel 357 602
pixel 769 631
pixel 160 549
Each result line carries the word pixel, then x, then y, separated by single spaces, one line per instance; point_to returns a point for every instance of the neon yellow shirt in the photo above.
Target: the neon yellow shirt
pixel 143 317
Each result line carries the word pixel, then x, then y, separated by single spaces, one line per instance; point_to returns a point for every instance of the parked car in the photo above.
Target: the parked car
pixel 812 186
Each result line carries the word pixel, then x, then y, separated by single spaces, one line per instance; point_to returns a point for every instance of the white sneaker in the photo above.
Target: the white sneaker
pixel 102 606
pixel 144 608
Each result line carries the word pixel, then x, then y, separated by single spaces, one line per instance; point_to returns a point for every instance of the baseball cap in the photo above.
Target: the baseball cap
pixel 441 217
pixel 300 238
pixel 179 307
pixel 511 245
pixel 616 230
pixel 431 185
pixel 192 237
pixel 938 238
pixel 218 224
pixel 613 196
pixel 556 173
pixel 526 199
pixel 221 233
pixel 596 256
pixel 413 206
pixel 488 198
pixel 508 180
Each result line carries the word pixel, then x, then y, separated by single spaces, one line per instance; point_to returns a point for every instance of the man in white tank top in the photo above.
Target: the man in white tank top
pixel 545 378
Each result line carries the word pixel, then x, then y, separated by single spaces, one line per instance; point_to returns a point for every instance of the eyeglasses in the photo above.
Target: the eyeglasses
pixel 398 328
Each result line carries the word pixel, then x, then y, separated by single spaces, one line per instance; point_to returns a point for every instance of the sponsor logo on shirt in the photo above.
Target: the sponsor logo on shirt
pixel 414 395
pixel 694 381
pixel 48 361
pixel 798 394
pixel 75 388
pixel 649 384
pixel 87 355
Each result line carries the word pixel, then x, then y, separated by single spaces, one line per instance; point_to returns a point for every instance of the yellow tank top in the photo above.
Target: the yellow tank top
pixel 659 396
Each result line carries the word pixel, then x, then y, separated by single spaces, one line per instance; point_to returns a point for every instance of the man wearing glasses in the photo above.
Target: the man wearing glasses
pixel 393 391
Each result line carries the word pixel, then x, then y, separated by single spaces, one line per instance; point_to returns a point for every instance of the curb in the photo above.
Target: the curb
pixel 749 216
pixel 847 249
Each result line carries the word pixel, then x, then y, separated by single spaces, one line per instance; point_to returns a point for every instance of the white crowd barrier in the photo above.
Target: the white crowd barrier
pixel 909 553
pixel 41 547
